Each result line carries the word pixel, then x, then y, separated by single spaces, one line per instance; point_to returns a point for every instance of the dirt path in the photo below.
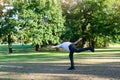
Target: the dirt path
pixel 86 69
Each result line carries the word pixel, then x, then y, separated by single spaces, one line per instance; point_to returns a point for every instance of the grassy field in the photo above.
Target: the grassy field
pixel 26 64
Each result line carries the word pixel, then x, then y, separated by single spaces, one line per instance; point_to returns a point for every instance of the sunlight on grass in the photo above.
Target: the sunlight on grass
pixel 54 56
pixel 48 76
pixel 10 66
pixel 52 65
pixel 97 61
pixel 33 56
pixel 99 56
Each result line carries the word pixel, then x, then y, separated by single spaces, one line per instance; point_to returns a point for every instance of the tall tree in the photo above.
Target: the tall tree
pixel 93 19
pixel 41 20
pixel 2 6
pixel 8 24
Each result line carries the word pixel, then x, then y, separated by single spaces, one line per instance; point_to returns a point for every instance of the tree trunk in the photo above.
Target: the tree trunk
pixel 10 43
pixel 105 42
pixel 83 42
pixel 93 43
pixel 36 47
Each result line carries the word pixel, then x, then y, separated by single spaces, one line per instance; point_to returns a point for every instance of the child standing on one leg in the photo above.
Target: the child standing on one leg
pixel 69 46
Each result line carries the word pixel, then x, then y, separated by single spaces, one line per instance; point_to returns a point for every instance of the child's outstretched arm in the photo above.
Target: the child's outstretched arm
pixel 78 41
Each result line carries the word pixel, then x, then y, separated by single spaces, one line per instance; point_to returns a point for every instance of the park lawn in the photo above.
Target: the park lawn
pixel 26 64
pixel 27 53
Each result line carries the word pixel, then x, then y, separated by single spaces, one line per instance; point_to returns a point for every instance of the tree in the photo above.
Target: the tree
pixel 2 6
pixel 41 21
pixel 93 20
pixel 8 25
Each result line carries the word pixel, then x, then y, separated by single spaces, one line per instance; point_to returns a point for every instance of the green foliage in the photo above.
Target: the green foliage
pixel 41 20
pixel 92 19
pixel 8 25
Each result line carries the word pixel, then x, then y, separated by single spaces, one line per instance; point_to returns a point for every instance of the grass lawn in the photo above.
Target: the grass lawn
pixel 26 64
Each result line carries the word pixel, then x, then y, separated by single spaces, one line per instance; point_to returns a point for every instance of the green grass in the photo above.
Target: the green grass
pixel 17 48
pixel 27 53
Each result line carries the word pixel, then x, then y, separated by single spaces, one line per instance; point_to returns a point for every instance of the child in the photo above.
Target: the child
pixel 69 46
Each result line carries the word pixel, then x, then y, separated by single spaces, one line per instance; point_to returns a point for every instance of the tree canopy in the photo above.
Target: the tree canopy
pixel 94 19
pixel 43 22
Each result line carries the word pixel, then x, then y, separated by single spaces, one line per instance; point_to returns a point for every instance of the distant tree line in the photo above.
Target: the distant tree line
pixel 48 22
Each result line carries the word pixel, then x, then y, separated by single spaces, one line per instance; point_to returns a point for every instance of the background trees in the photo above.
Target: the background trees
pixel 95 21
pixel 43 22
pixel 8 23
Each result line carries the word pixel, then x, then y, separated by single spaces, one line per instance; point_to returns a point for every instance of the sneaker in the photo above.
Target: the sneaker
pixel 91 49
pixel 71 68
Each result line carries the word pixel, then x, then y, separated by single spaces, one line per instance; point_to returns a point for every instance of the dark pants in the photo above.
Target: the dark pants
pixel 72 50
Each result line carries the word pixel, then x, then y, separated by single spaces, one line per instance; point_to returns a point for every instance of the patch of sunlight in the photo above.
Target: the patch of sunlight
pixel 108 52
pixel 40 53
pixel 107 49
pixel 37 61
pixel 49 76
pixel 61 61
pixel 96 61
pixel 114 45
pixel 3 73
pixel 17 54
pixel 10 66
